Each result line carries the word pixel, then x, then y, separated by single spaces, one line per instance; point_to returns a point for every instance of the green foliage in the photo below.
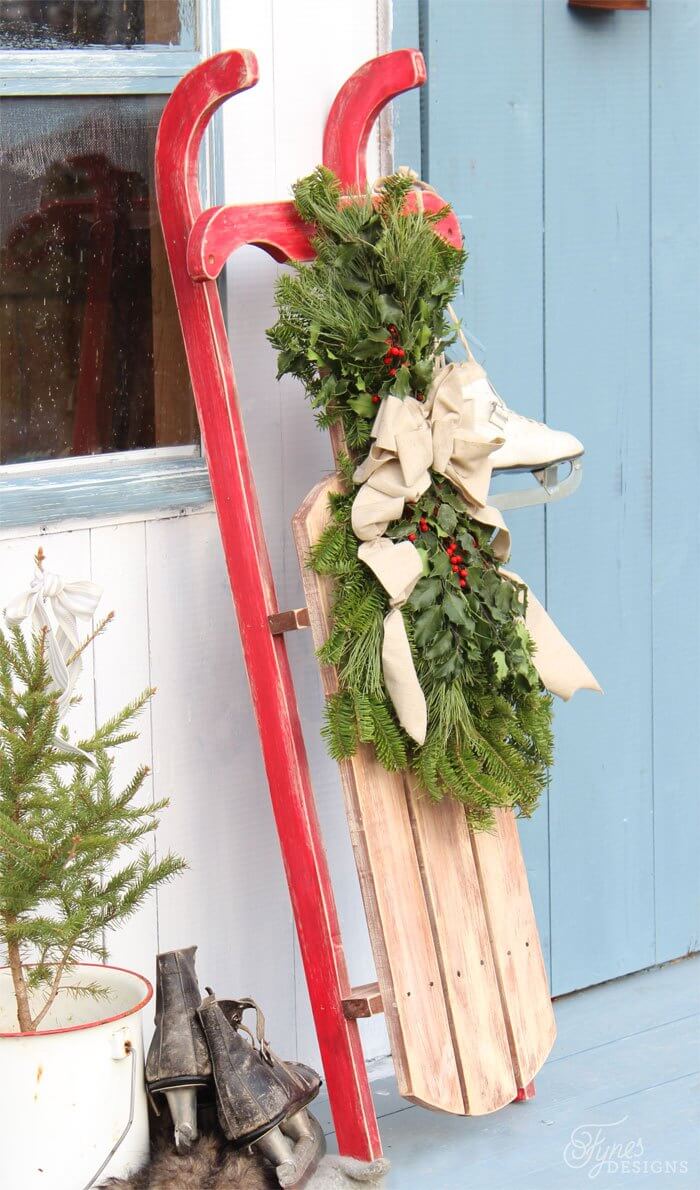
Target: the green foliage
pixel 489 740
pixel 367 318
pixel 70 864
pixel 381 279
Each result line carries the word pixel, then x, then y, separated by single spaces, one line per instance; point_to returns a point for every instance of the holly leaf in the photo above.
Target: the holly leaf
pixel 441 564
pixel 423 372
pixel 424 594
pixel 402 384
pixel 455 608
pixel 426 626
pixel 500 665
pixel 447 518
pixel 369 349
pixel 440 647
pixel 388 309
pixel 356 284
pixel 447 668
pixel 285 359
pixel 363 406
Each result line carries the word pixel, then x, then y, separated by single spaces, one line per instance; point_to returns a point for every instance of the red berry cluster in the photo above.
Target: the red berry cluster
pixel 395 352
pixel 456 561
pixel 422 525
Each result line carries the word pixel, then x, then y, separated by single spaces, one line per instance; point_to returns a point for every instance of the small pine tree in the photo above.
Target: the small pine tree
pixel 64 830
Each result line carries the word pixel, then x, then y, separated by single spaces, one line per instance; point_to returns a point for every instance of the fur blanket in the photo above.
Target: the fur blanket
pixel 215 1165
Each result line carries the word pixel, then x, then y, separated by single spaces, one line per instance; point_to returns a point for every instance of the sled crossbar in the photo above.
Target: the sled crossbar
pixel 460 976
pixel 289 621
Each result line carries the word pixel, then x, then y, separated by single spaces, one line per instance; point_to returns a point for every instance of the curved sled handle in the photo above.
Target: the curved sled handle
pixel 351 119
pixel 183 124
pixel 356 107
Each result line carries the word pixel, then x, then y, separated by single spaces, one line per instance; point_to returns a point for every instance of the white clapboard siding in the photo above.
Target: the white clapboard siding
pixel 165 578
pixel 122 670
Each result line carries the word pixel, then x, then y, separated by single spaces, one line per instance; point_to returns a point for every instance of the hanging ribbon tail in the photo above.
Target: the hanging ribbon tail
pixel 401 679
pixel 561 669
pixel 398 568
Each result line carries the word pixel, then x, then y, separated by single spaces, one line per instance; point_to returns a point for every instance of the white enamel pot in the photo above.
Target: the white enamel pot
pixel 73 1107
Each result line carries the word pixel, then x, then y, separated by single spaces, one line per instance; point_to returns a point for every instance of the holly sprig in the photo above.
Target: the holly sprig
pixel 464 610
pixel 366 318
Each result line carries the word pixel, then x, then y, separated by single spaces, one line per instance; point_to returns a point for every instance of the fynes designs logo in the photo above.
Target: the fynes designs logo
pixel 606 1149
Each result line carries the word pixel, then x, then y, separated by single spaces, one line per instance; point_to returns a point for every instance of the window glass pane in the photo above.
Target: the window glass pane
pixel 91 354
pixel 37 24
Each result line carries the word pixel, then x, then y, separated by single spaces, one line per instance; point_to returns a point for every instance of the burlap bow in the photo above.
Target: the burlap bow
pixel 410 439
pixel 69 602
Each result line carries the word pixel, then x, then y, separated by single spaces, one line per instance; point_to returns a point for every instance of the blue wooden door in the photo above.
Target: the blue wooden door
pixel 568 143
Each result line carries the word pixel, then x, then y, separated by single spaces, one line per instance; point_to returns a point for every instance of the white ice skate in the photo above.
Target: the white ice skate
pixel 528 445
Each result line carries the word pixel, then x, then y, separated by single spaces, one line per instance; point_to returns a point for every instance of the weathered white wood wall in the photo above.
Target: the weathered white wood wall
pixel 165 578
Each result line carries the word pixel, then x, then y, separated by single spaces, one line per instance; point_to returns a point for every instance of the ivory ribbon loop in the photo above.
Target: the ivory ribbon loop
pixel 69 602
pixel 396 470
pixel 398 567
pixel 561 669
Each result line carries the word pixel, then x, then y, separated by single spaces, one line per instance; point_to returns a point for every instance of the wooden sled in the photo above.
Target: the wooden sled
pixel 460 975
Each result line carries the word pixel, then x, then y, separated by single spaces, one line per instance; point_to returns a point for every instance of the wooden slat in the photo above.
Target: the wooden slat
pixel 515 944
pixel 397 916
pixel 451 886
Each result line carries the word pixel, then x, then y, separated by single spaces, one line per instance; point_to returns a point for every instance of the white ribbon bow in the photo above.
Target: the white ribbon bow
pixel 69 602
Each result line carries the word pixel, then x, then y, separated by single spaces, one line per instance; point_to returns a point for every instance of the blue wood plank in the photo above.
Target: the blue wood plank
pixel 675 132
pixel 597 314
pixel 406 110
pixel 484 155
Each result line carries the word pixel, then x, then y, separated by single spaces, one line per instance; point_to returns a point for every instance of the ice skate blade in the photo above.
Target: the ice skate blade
pixel 182 1102
pixel 550 486
pixel 295 1162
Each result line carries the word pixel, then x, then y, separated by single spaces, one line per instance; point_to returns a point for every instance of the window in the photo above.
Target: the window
pixel 91 356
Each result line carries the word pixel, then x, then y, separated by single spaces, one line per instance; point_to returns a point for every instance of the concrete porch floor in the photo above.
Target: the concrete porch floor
pixel 624 1073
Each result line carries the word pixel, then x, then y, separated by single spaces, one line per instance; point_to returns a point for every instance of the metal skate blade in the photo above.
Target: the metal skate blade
pixel 308 1151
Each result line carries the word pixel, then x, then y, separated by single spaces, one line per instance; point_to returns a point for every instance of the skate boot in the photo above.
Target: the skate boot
pixel 260 1099
pixel 178 1060
pixel 521 443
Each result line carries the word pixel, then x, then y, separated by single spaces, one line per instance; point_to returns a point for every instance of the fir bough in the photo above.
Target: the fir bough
pixel 366 318
pixel 70 865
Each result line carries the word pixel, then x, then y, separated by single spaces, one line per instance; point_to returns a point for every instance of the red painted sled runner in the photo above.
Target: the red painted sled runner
pixel 460 975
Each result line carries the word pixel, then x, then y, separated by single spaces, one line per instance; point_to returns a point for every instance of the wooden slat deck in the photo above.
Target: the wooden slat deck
pixel 450 918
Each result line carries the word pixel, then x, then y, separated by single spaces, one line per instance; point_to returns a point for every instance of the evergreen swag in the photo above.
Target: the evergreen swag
pixel 63 828
pixel 367 318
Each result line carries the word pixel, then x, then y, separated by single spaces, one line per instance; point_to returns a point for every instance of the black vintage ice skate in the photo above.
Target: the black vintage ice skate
pixel 260 1099
pixel 178 1059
